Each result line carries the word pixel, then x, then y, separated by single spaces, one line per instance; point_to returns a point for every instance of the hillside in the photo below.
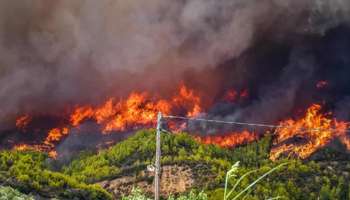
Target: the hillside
pixel 186 165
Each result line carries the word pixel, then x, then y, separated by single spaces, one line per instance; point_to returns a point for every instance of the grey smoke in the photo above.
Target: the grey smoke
pixel 342 108
pixel 58 52
pixel 276 99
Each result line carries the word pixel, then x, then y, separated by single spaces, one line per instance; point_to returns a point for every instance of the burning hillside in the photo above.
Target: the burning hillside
pixel 300 137
pixel 316 129
pixel 138 110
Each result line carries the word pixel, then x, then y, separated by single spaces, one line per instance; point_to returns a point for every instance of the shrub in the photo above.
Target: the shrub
pixel 137 194
pixel 8 193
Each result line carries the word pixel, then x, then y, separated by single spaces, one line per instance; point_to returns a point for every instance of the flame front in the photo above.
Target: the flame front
pixel 299 138
pixel 138 110
pixel 55 135
pixel 229 140
pixel 315 128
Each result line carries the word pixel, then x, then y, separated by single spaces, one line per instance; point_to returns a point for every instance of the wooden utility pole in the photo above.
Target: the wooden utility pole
pixel 157 163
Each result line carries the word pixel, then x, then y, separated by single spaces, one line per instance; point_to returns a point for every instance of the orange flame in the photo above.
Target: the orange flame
pixel 22 147
pixel 140 109
pixel 316 128
pixel 187 98
pixel 137 110
pixel 27 147
pixel 55 135
pixel 229 140
pixel 53 154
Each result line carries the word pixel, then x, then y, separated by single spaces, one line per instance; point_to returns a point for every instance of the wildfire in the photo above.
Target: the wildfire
pixel 229 140
pixel 300 137
pixel 22 147
pixel 55 135
pixel 139 109
pixel 315 128
pixel 23 121
pixel 26 147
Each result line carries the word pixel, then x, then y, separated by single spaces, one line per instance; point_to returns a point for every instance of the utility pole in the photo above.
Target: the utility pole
pixel 157 163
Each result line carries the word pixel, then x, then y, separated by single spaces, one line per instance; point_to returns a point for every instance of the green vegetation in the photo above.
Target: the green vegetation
pixel 136 194
pixel 30 172
pixel 299 180
pixel 8 193
pixel 135 153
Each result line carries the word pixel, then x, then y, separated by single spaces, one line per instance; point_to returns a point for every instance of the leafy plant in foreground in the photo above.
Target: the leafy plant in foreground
pixel 137 194
pixel 232 173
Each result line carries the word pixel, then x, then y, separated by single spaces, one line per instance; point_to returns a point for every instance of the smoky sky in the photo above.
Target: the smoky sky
pixel 54 53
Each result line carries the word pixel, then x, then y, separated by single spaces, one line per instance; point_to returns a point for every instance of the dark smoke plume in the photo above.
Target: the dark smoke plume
pixel 54 53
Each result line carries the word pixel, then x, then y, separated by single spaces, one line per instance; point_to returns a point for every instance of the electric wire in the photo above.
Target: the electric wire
pixel 272 126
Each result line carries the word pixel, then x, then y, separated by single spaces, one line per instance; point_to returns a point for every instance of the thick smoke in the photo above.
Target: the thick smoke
pixel 54 53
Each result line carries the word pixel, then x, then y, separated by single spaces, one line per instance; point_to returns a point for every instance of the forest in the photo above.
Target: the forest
pixel 37 175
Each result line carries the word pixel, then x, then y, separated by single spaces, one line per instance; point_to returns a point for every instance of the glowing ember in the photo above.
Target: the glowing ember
pixel 22 147
pixel 233 96
pixel 315 128
pixel 244 93
pixel 26 147
pixel 228 140
pixel 321 84
pixel 23 121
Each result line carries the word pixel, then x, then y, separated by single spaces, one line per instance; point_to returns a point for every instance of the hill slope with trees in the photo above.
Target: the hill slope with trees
pixel 34 173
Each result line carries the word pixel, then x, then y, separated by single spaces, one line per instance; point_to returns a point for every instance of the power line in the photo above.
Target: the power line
pixel 223 122
pixel 249 124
